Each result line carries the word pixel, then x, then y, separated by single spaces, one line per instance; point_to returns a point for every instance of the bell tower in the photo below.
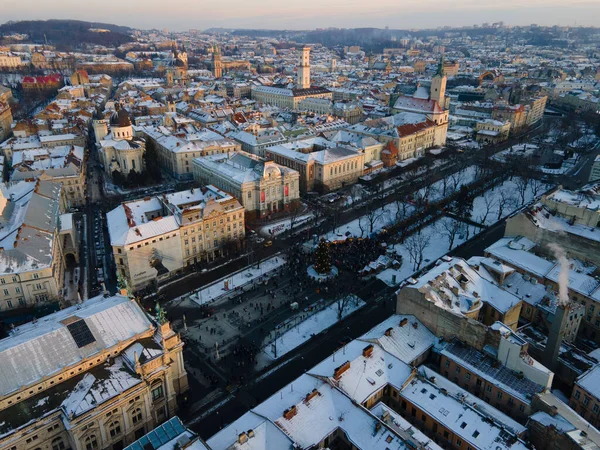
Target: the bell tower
pixel 303 81
pixel 217 65
pixel 438 85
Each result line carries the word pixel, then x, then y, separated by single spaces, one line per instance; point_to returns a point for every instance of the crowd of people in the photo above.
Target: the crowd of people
pixel 354 254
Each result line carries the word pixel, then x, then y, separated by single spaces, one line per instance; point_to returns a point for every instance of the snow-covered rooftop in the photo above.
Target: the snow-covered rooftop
pixel 45 347
pixel 401 337
pixel 456 286
pixel 487 368
pixel 463 420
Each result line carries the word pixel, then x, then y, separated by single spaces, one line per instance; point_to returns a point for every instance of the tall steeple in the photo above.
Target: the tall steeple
pixel 217 65
pixel 438 85
pixel 303 81
pixel 440 69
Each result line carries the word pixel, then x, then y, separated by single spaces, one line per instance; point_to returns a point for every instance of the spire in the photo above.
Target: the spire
pixel 440 69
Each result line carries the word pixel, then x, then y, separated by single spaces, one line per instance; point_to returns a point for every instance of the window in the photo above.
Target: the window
pixel 136 416
pixel 58 444
pixel 9 304
pixel 157 392
pixel 114 429
pixel 468 376
pixel 91 443
pixel 447 363
pixel 458 442
pixel 489 388
pixel 521 408
pixel 577 395
pixel 499 395
pixel 586 400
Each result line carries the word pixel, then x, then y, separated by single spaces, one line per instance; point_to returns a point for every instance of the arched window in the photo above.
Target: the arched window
pixel 136 416
pixel 91 443
pixel 114 429
pixel 58 444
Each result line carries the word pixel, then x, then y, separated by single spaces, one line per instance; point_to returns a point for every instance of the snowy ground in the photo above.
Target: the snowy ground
pixel 386 216
pixel 487 206
pixel 361 227
pixel 237 280
pixel 437 234
pixel 438 246
pixel 304 330
pixel 520 150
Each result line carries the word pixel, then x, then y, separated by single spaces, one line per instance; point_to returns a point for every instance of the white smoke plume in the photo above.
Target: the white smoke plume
pixel 563 276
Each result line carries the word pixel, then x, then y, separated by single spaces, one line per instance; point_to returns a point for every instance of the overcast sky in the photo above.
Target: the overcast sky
pixel 307 14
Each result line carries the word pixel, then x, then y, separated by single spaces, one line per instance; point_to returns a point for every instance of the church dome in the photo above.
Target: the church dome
pixel 120 118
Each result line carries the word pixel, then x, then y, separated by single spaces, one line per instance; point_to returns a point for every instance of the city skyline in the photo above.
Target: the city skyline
pixel 267 14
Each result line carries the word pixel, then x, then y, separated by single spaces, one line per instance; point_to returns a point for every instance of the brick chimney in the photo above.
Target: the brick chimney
pixel 312 394
pixel 290 412
pixel 337 373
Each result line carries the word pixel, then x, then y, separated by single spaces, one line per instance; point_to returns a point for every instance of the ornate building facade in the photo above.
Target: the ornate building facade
pixel 94 376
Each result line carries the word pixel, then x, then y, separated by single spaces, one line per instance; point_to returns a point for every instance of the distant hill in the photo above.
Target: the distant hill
pixel 68 33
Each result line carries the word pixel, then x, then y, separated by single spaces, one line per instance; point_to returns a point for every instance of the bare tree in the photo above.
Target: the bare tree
pixel 444 182
pixel 416 245
pixel 506 200
pixel 401 204
pixel 456 179
pixel 342 302
pixel 522 183
pixel 372 215
pixel 449 228
pixel 537 187
pixel 489 202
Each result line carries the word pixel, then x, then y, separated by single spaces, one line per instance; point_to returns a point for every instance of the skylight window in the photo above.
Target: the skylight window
pixel 81 333
pixel 463 425
pixel 475 433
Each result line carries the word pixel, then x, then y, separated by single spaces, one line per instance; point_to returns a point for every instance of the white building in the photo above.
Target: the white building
pixel 120 150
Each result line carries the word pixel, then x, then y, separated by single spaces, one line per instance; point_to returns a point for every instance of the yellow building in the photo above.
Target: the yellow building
pixel 154 238
pixel 320 168
pixel 492 131
pixel 94 376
